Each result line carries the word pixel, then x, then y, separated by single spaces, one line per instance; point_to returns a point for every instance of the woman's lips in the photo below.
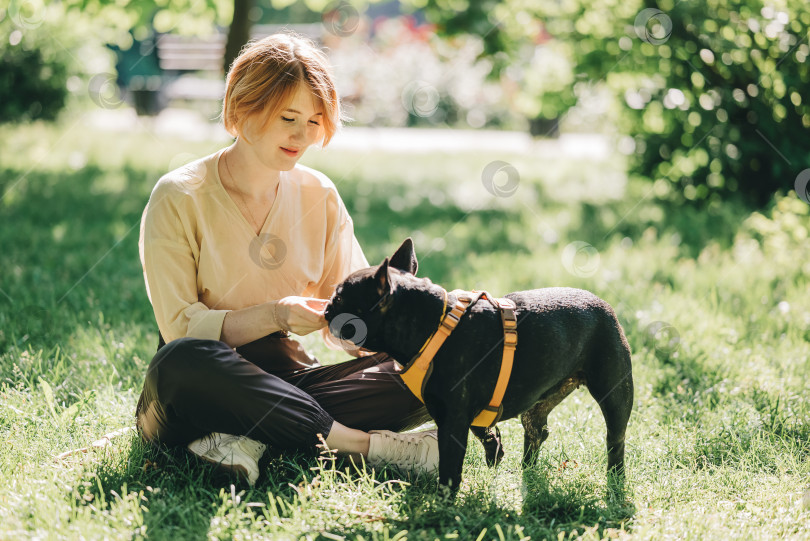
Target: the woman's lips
pixel 289 152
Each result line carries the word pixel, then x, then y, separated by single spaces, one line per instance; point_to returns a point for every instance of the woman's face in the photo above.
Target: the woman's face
pixel 283 141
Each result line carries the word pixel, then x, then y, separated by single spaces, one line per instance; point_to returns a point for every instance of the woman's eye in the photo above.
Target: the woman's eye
pixel 285 119
pixel 314 122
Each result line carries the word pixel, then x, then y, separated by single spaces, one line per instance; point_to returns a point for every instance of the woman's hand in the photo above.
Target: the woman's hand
pixel 300 315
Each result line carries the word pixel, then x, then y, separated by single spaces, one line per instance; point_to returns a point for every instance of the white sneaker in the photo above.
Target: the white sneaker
pixel 238 454
pixel 417 451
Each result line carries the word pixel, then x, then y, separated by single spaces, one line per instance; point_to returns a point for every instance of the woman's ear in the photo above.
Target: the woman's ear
pixel 404 258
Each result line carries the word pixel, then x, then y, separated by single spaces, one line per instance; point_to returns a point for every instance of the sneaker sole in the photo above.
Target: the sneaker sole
pixel 235 469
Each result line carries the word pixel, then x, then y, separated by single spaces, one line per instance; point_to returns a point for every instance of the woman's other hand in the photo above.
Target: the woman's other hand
pixel 300 315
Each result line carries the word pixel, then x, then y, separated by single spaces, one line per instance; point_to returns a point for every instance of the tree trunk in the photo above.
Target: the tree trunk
pixel 239 31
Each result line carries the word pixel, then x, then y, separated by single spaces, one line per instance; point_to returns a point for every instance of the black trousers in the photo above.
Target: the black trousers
pixel 270 391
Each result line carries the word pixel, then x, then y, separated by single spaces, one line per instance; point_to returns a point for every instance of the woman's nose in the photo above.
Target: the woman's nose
pixel 299 133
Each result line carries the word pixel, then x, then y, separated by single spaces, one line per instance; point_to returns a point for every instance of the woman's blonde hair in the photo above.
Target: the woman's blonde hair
pixel 265 76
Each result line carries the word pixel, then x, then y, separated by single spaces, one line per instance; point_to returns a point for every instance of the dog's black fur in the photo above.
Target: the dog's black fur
pixel 566 337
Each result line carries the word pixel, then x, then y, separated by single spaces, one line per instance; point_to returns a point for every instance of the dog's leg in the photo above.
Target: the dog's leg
pixel 452 448
pixel 611 385
pixel 490 438
pixel 535 431
pixel 535 419
pixel 616 407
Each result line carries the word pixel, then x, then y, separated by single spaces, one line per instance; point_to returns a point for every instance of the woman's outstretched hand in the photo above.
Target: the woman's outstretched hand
pixel 300 315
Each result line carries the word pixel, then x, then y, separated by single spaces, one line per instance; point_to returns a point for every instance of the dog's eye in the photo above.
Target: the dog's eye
pixel 336 299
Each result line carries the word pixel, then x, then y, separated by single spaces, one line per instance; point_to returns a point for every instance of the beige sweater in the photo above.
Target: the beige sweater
pixel 201 257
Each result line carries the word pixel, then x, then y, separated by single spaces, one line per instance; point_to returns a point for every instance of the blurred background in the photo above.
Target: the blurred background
pixel 705 99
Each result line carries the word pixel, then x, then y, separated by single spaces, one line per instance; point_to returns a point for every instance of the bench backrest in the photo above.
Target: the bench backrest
pixel 184 53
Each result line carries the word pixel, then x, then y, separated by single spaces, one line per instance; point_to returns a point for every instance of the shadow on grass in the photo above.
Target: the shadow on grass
pixel 547 510
pixel 186 498
pixel 443 235
pixel 446 232
pixel 693 226
pixel 298 494
pixel 576 505
pixel 71 253
pixel 180 497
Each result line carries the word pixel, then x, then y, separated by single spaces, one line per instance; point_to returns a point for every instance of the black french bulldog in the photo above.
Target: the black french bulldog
pixel 566 337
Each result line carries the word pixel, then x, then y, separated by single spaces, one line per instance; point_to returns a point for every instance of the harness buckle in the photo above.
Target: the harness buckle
pixel 451 317
pixel 510 339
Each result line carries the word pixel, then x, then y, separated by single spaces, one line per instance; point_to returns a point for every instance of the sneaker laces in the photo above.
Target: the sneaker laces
pixel 254 447
pixel 211 441
pixel 407 451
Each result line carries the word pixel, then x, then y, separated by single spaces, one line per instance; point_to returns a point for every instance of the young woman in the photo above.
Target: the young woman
pixel 241 248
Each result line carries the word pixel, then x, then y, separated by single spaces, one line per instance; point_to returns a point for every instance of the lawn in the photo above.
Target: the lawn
pixel 714 304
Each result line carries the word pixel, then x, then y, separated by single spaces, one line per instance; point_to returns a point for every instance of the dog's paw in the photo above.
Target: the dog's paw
pixel 493 447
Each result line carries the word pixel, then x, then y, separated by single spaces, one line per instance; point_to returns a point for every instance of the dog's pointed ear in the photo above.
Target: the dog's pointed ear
pixel 383 279
pixel 404 258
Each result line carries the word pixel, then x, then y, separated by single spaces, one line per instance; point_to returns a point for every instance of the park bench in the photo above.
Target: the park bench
pixel 191 69
pixel 187 69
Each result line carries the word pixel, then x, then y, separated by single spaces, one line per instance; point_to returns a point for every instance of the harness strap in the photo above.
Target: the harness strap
pixel 491 414
pixel 417 374
pixel 420 368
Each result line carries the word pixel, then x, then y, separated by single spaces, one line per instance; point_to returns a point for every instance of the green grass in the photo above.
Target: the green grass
pixel 719 440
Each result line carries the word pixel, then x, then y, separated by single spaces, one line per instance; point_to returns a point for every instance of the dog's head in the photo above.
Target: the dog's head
pixel 358 309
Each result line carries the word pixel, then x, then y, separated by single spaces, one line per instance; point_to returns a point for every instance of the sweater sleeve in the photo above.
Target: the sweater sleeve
pixel 169 254
pixel 343 255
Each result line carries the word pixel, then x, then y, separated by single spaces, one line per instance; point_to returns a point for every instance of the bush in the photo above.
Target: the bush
pixel 725 112
pixel 713 90
pixel 33 75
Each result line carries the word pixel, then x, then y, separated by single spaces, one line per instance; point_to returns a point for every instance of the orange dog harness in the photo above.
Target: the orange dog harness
pixel 420 368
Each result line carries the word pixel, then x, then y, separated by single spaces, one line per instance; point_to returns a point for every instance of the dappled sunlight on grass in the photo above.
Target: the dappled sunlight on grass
pixel 714 307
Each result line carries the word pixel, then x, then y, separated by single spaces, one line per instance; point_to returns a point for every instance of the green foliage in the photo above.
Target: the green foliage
pixel 33 74
pixel 547 82
pixel 466 17
pixel 714 92
pixel 144 16
pixel 716 106
pixel 780 232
